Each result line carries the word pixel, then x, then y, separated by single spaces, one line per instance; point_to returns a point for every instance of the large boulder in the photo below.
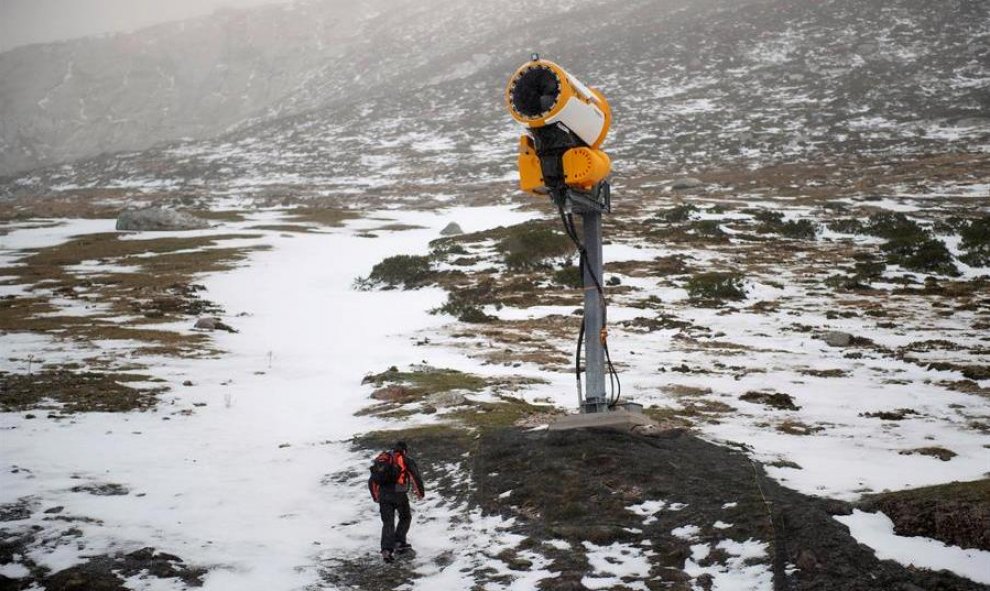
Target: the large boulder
pixel 157 219
pixel 446 399
pixel 212 323
pixel 452 229
pixel 836 338
pixel 683 184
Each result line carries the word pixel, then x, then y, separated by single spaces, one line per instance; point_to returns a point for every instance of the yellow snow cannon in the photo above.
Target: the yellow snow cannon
pixel 567 123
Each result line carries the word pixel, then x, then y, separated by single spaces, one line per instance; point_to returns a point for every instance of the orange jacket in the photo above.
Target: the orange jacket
pixel 409 478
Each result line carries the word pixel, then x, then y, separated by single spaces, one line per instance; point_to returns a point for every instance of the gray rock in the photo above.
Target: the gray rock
pixel 153 219
pixel 208 323
pixel 444 399
pixel 837 338
pixel 452 229
pixel 686 183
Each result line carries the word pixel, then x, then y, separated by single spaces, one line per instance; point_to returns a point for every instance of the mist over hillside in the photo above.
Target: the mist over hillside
pixel 241 255
pixel 393 95
pixel 201 77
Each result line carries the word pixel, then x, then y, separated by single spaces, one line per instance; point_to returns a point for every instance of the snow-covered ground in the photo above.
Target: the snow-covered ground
pixel 244 484
pixel 240 484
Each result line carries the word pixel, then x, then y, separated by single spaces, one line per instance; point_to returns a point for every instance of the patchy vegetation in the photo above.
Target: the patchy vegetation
pixel 716 287
pixel 425 380
pixel 532 246
pixel 772 222
pixel 98 573
pixel 891 415
pixel 570 276
pixel 893 225
pixel 506 412
pixel 776 400
pixel 400 271
pixel 976 242
pixel 932 451
pixel 846 226
pixel 909 245
pixel 677 214
pixel 146 280
pixel 66 391
pixel 432 389
pixel 466 303
pixel 922 254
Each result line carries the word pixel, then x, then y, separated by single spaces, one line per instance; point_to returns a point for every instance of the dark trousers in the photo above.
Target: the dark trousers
pixel 389 504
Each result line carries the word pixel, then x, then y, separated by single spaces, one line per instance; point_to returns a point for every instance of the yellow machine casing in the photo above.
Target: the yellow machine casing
pixel 580 108
pixel 583 167
pixel 530 172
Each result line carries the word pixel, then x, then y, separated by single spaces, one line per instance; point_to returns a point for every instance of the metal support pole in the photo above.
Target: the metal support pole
pixel 594 316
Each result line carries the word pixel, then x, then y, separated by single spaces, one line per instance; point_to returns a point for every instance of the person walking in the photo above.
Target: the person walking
pixel 393 474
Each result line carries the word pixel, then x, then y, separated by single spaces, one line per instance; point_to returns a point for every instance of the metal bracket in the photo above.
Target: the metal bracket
pixel 598 200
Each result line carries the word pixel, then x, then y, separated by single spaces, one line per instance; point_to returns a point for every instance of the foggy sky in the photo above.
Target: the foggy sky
pixel 39 21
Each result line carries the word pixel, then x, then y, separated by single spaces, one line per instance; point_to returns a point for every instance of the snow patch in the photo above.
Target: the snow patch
pixel 876 530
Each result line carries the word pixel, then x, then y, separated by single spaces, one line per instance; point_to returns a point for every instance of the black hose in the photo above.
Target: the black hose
pixel 615 386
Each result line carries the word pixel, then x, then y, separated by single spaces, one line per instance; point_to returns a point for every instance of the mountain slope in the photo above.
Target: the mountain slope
pixel 69 100
pixel 417 100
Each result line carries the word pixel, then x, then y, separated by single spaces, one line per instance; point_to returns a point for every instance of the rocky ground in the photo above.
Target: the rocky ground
pixel 723 293
pixel 566 493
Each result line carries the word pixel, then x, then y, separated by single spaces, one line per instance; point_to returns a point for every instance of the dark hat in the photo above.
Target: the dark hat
pixel 401 446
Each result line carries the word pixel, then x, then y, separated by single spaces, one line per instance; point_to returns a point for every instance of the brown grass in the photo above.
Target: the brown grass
pixel 161 291
pixel 324 216
pixel 63 390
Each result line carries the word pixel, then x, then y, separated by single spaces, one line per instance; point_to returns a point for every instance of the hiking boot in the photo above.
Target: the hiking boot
pixel 402 547
pixel 388 556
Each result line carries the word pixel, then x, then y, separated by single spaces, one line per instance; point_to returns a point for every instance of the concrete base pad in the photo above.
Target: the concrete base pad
pixel 621 419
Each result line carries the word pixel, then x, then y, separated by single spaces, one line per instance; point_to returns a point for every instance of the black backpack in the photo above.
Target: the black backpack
pixel 385 470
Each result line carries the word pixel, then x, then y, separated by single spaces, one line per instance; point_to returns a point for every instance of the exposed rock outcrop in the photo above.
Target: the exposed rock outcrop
pixel 157 219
